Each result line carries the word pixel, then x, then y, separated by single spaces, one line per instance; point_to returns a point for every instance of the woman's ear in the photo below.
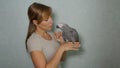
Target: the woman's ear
pixel 35 22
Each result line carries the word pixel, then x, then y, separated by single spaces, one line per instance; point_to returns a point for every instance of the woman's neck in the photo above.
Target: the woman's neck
pixel 40 32
pixel 43 34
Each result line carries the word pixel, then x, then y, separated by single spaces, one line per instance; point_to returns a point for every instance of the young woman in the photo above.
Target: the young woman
pixel 41 43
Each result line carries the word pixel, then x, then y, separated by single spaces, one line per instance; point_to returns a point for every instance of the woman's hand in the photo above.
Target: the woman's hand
pixel 70 46
pixel 58 37
pixel 66 46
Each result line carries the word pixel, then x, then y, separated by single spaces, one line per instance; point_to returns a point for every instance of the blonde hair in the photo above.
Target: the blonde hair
pixel 39 12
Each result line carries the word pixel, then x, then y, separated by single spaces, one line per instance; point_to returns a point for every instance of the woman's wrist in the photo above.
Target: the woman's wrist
pixel 62 42
pixel 62 48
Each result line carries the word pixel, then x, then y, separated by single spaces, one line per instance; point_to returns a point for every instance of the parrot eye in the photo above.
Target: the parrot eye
pixel 60 25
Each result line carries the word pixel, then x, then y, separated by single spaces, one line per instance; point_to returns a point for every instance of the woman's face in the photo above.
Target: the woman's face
pixel 46 24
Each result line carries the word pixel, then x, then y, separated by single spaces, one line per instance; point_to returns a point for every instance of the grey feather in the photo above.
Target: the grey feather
pixel 69 34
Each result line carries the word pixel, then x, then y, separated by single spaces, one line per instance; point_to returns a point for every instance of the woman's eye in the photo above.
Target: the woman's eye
pixel 46 20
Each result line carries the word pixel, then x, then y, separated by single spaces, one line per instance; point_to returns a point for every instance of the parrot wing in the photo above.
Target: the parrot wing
pixel 74 37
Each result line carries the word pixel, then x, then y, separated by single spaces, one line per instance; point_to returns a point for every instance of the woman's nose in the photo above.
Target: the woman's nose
pixel 51 20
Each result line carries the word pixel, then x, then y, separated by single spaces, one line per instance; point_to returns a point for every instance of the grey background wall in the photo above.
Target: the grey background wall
pixel 97 21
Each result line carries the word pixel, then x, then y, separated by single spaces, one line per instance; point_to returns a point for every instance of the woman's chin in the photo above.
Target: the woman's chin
pixel 49 29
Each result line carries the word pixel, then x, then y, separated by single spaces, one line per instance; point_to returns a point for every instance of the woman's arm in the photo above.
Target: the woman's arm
pixel 58 37
pixel 63 56
pixel 56 59
pixel 39 59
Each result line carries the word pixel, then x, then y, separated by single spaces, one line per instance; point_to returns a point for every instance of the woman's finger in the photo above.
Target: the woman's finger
pixel 76 45
pixel 69 46
pixel 57 34
pixel 74 48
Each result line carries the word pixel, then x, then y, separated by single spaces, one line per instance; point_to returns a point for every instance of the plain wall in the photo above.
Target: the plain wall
pixel 97 21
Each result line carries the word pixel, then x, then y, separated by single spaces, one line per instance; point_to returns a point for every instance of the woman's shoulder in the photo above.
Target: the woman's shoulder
pixel 34 37
pixel 34 43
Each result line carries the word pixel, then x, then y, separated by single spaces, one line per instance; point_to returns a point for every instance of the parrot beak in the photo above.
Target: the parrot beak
pixel 57 26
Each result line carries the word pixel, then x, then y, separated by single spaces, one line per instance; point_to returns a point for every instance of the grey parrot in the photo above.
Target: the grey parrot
pixel 69 34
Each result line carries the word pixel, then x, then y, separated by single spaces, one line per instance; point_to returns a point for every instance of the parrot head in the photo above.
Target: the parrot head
pixel 59 26
pixel 62 26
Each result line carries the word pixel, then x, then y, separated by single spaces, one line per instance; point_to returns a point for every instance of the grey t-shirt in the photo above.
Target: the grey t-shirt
pixel 48 47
